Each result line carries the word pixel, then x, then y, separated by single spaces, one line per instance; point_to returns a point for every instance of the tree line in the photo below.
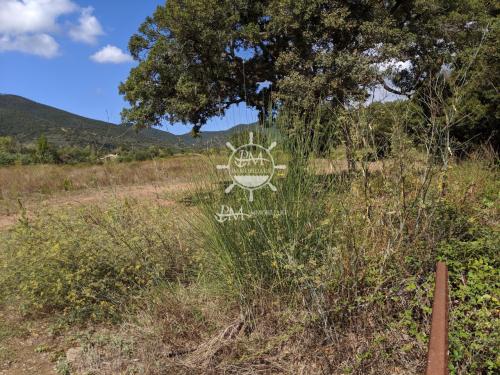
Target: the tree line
pixel 42 151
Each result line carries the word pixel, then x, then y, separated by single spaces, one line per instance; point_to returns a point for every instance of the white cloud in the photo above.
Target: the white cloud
pixel 111 54
pixel 38 44
pixel 88 28
pixel 29 26
pixel 32 16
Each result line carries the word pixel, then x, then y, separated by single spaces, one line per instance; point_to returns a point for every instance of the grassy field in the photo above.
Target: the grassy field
pixel 31 187
pixel 123 269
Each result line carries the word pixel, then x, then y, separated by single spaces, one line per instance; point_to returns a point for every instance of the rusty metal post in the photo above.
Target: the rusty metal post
pixel 437 359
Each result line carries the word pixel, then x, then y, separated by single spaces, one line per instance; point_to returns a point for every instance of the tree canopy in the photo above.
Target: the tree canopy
pixel 198 57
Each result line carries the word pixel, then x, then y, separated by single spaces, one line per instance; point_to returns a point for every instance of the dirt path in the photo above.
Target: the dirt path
pixel 161 194
pixel 24 346
pixel 25 360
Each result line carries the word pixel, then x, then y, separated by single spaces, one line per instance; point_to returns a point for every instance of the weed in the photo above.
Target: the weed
pixel 86 264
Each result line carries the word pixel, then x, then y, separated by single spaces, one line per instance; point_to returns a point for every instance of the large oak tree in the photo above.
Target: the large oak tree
pixel 196 58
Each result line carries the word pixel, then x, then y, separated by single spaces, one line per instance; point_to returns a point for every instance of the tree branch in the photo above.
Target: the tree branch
pixel 392 90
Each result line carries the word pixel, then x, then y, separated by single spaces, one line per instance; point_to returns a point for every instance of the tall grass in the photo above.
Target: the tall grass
pixel 343 248
pixel 267 252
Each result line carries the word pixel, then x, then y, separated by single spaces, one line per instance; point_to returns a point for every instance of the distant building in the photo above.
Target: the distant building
pixel 109 157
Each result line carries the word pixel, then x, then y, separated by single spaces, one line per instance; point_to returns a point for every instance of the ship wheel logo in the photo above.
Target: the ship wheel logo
pixel 251 167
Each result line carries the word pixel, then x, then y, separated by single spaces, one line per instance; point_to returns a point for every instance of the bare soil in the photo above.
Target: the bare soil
pixel 24 349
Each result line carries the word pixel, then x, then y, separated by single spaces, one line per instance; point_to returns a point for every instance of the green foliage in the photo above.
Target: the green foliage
pixel 474 269
pixel 42 146
pixel 144 154
pixel 8 151
pixel 76 155
pixel 6 143
pixel 309 54
pixel 7 158
pixel 46 153
pixel 88 264
pixel 469 246
pixel 381 118
pixel 481 99
pixel 459 99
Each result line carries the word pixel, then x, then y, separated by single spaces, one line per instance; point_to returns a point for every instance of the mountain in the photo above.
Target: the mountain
pixel 26 121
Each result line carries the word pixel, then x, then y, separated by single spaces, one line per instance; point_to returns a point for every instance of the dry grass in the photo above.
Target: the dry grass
pixel 37 183
pixel 191 333
pixel 18 181
pixel 30 185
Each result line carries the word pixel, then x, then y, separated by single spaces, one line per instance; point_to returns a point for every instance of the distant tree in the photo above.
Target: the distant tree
pixel 480 107
pixel 42 145
pixel 6 144
pixel 7 157
pixel 459 71
pixel 44 152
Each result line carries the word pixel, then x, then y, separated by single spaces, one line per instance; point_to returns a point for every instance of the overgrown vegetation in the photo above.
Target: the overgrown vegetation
pixel 475 288
pixel 473 261
pixel 331 268
pixel 87 265
pixel 335 271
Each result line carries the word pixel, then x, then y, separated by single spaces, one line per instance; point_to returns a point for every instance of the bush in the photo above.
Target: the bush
pixel 325 241
pixel 74 155
pixel 43 152
pixel 474 272
pixel 88 264
pixel 7 158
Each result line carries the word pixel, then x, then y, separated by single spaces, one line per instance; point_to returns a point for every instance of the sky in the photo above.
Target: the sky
pixel 72 55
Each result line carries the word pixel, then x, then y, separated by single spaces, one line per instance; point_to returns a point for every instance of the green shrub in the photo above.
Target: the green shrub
pixel 88 264
pixel 7 158
pixel 74 155
pixel 474 271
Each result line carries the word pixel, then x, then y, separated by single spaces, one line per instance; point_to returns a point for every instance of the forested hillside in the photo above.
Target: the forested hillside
pixel 26 121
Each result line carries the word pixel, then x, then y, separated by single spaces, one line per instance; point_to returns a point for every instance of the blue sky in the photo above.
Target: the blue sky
pixel 72 54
